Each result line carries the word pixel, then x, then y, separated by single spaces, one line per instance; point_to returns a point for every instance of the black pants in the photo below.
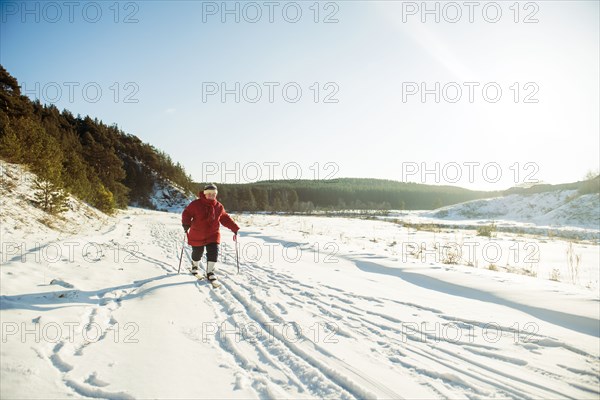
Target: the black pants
pixel 212 252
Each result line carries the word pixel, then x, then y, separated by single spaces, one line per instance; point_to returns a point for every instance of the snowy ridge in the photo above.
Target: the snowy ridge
pixel 565 208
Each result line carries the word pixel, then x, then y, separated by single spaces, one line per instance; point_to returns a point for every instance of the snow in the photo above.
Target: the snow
pixel 550 208
pixel 564 213
pixel 20 214
pixel 322 308
pixel 168 196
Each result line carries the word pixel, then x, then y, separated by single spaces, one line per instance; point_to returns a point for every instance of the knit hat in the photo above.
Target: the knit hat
pixel 210 188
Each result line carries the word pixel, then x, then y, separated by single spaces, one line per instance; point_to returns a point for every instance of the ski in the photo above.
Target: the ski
pixel 215 283
pixel 201 277
pixel 197 274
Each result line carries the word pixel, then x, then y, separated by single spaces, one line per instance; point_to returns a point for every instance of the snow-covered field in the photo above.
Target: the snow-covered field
pixel 323 307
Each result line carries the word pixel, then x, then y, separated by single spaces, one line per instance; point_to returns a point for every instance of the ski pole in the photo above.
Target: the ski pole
pixel 237 256
pixel 181 255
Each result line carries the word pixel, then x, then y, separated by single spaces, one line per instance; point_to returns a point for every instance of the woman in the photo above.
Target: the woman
pixel 201 221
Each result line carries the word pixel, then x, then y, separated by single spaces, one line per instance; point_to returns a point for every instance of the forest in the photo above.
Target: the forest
pixel 342 194
pixel 99 164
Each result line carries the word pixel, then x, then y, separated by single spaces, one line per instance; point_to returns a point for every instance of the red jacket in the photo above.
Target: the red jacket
pixel 204 217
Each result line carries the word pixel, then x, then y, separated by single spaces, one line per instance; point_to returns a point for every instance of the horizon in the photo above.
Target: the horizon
pixel 388 90
pixel 521 186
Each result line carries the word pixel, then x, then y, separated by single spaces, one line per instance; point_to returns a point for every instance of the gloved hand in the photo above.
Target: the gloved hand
pixel 235 235
pixel 186 228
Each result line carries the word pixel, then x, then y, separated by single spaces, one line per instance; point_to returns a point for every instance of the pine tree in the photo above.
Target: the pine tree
pixel 104 200
pixel 50 196
pixel 11 101
pixel 292 200
pixel 261 198
pixel 11 148
pixel 278 201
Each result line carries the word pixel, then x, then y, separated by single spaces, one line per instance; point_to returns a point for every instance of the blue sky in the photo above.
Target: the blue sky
pixel 166 55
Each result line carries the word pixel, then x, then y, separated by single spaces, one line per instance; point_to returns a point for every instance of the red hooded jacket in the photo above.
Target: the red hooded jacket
pixel 204 217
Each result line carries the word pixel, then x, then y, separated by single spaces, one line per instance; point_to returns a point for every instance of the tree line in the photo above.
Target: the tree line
pixel 341 194
pixel 99 164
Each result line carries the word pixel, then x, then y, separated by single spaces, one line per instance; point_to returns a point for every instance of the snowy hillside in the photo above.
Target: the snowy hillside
pixel 18 212
pixel 564 213
pixel 168 196
pixel 559 208
pixel 322 308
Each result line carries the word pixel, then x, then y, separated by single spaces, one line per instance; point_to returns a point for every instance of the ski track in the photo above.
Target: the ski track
pixel 307 378
pixel 278 367
pixel 424 356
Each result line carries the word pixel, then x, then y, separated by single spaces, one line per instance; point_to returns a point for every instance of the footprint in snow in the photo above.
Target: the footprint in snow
pixel 94 381
pixel 62 283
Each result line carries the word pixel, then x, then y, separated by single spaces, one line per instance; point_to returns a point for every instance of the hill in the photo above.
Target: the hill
pixel 561 207
pixel 97 163
pixel 583 187
pixel 21 213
